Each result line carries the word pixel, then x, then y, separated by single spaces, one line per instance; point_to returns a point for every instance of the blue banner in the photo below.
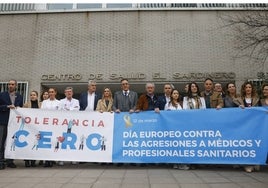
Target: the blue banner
pixel 209 136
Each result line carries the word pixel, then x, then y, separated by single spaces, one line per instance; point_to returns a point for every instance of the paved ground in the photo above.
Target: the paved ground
pixel 109 176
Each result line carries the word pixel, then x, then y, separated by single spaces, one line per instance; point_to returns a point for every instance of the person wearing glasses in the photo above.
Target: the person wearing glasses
pixel 125 100
pixel 68 104
pixel 8 100
pixel 88 100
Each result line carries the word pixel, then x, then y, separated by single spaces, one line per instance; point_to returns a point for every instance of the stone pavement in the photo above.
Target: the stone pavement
pixel 90 175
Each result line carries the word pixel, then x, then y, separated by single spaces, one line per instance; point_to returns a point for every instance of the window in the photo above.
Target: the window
pixel 88 5
pixel 22 88
pixel 59 6
pixel 119 5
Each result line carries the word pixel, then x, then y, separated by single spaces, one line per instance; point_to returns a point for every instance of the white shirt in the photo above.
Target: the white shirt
pixel 167 99
pixel 50 104
pixel 186 103
pixel 124 92
pixel 169 106
pixel 72 105
pixel 90 102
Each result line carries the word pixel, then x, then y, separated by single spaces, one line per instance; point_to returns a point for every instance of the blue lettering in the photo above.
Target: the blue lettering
pixel 90 144
pixel 45 138
pixel 70 140
pixel 18 134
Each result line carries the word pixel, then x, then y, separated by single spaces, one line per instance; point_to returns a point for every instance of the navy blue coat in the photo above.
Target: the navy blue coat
pixel 4 102
pixel 83 100
pixel 162 102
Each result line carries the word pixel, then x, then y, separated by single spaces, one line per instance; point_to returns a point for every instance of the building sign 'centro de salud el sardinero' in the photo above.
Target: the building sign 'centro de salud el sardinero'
pixel 176 76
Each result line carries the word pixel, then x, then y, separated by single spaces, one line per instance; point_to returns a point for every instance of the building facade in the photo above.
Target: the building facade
pixel 68 48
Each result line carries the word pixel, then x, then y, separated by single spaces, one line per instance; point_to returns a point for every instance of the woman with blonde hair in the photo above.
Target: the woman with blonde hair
pixel 33 103
pixel 105 104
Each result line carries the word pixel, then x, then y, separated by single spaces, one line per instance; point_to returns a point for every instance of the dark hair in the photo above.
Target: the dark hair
pixel 55 89
pixel 208 79
pixel 243 91
pixel 226 87
pixel 171 98
pixel 190 94
pixel 41 96
pixel 264 85
pixel 124 79
pixel 35 92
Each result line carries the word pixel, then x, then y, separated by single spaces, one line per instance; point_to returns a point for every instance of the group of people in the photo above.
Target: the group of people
pixel 127 100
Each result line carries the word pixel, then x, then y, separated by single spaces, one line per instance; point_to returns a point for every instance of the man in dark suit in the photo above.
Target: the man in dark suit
pixel 163 99
pixel 125 100
pixel 8 100
pixel 88 100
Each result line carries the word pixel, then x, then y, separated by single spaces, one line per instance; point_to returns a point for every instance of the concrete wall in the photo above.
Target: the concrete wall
pixel 105 43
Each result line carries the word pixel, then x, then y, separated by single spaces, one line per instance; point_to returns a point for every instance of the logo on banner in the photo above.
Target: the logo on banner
pixel 127 120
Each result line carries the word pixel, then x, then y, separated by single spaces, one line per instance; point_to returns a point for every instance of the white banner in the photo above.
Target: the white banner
pixel 60 135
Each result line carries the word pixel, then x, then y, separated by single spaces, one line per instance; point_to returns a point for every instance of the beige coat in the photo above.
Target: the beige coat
pixel 101 105
pixel 240 101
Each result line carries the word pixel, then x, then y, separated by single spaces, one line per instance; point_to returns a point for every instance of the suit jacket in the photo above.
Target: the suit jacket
pixel 240 101
pixel 102 105
pixel 119 101
pixel 83 100
pixel 4 102
pixel 215 99
pixel 162 102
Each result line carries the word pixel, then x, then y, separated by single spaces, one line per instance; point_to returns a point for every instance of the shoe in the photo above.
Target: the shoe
pixel 236 166
pixel 119 164
pixel 11 165
pixel 27 163
pixel 61 163
pixel 175 166
pixel 2 166
pixel 33 164
pixel 48 164
pixel 249 169
pixel 74 163
pixel 257 168
pixel 193 167
pixel 184 167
